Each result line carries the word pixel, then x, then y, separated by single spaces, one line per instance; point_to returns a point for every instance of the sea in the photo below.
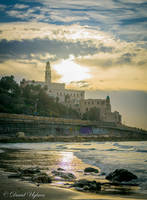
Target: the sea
pixel 107 156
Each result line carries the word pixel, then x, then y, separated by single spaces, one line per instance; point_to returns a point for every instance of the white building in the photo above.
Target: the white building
pixel 76 98
pixel 71 98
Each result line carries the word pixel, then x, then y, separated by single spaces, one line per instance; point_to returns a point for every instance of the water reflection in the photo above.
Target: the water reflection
pixel 66 160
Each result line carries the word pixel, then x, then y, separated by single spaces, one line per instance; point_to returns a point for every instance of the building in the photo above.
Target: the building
pixel 71 98
pixel 104 108
pixel 76 98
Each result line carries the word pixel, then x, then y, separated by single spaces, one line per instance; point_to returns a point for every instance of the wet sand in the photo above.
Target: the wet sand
pixel 17 189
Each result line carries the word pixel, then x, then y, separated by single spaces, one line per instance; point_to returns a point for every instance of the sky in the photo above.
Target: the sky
pixel 94 45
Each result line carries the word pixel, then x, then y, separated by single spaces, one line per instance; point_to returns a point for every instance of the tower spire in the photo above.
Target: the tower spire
pixel 48 73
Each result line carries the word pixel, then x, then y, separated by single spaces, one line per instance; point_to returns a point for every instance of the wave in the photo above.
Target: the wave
pixel 141 150
pixel 123 146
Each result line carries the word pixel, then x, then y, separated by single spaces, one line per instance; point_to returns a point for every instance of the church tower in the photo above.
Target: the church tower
pixel 108 105
pixel 48 73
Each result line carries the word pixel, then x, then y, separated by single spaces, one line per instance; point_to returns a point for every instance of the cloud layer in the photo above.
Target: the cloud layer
pixel 108 38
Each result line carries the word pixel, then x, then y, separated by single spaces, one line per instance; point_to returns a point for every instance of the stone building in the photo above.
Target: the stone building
pixel 76 98
pixel 104 107
pixel 58 91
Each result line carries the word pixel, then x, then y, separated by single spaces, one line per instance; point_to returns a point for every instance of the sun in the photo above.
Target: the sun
pixel 71 71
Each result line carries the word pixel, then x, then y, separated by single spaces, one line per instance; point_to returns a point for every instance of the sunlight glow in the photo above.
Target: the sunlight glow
pixel 70 71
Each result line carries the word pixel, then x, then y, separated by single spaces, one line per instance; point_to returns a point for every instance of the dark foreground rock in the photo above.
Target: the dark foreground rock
pixel 121 175
pixel 65 175
pixel 86 185
pixel 32 174
pixel 18 175
pixel 42 178
pixel 90 169
pixel 30 171
pixel 24 172
pixel 60 169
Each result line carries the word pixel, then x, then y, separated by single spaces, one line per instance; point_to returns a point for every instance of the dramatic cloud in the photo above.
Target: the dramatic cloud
pixel 110 60
pixel 33 30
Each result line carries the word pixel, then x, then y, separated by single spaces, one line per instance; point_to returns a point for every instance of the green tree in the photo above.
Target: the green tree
pixel 93 114
pixel 30 99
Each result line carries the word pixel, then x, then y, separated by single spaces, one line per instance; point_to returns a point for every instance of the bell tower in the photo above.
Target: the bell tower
pixel 48 73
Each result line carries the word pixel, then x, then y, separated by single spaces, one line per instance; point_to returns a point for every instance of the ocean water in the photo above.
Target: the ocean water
pixel 107 156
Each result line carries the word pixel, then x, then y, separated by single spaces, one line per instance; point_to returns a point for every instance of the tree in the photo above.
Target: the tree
pixel 31 99
pixel 93 114
pixel 8 85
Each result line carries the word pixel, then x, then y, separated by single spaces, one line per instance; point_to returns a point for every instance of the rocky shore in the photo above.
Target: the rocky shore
pixel 118 178
pixel 41 172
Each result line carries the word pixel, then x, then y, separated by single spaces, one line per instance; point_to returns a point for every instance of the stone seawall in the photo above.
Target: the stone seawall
pixel 10 124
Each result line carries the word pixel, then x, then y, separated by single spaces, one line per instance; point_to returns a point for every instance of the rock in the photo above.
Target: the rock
pixel 30 171
pixel 60 169
pixel 121 175
pixel 18 175
pixel 12 169
pixel 90 169
pixel 42 178
pixel 86 185
pixel 65 175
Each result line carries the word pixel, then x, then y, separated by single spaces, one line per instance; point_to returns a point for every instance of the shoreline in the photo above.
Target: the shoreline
pixel 16 190
pixel 89 138
pixel 50 192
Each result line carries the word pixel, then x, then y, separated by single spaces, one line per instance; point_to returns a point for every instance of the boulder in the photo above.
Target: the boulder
pixel 30 171
pixel 60 169
pixel 18 175
pixel 42 178
pixel 65 175
pixel 121 175
pixel 91 169
pixel 86 185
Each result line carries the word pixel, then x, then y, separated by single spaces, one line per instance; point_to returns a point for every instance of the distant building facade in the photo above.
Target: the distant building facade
pixel 76 98
pixel 104 107
pixel 71 98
